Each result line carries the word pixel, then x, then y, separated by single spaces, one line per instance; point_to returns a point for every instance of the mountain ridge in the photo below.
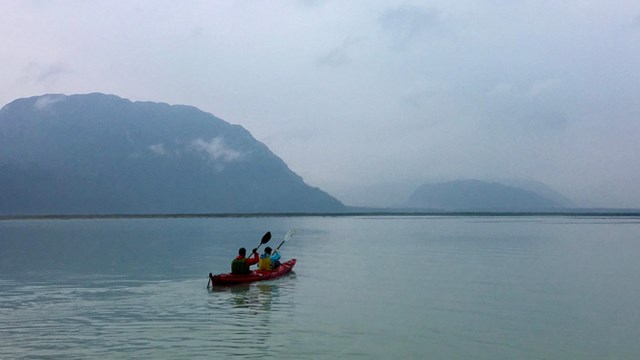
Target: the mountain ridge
pixel 477 195
pixel 97 153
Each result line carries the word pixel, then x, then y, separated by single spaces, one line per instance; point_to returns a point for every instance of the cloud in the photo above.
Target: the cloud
pixel 339 55
pixel 196 32
pixel 311 3
pixel 542 87
pixel 217 150
pixel 533 109
pixel 43 103
pixel 407 23
pixel 501 89
pixel 158 149
pixel 46 73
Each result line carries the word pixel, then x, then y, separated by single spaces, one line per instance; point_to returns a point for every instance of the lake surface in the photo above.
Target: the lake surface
pixel 468 287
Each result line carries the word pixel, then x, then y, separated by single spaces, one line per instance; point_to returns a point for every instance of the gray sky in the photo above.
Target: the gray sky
pixel 357 96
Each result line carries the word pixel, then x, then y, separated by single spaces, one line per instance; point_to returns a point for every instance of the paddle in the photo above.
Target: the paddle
pixel 265 239
pixel 287 237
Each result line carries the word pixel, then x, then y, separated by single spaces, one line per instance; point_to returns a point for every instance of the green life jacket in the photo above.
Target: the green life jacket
pixel 239 266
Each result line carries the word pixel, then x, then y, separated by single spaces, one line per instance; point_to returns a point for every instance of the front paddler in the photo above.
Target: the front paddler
pixel 240 265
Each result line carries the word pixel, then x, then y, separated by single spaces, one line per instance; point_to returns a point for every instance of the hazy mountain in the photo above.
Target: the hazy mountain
pixel 538 188
pixel 475 195
pixel 100 154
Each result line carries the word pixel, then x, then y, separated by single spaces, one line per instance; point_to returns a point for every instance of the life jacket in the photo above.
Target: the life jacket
pixel 265 262
pixel 239 266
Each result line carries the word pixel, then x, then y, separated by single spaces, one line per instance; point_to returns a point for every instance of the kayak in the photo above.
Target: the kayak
pixel 256 275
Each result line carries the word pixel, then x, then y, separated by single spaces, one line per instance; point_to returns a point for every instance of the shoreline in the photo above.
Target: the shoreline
pixel 624 213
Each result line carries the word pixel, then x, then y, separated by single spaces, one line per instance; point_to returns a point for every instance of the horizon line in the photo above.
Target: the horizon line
pixel 591 212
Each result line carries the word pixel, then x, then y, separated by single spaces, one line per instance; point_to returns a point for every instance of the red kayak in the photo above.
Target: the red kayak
pixel 256 275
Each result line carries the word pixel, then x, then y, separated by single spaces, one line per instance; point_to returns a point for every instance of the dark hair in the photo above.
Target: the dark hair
pixel 242 252
pixel 267 250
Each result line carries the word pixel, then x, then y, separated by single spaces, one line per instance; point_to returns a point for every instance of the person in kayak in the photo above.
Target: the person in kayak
pixel 240 265
pixel 269 262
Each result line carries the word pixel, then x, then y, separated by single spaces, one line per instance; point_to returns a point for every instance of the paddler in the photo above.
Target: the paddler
pixel 269 262
pixel 240 265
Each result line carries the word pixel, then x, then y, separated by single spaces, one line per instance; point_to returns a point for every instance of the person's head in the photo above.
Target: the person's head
pixel 242 252
pixel 267 250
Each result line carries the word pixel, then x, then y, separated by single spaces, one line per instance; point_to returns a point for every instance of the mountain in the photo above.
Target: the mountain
pixel 101 154
pixel 538 188
pixel 476 195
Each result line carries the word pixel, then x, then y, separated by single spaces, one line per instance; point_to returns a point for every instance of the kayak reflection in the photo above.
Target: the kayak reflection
pixel 256 296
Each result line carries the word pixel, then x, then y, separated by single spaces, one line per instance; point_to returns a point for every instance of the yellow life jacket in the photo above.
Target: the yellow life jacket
pixel 265 263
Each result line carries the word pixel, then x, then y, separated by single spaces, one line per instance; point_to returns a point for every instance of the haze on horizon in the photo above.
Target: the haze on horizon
pixel 362 97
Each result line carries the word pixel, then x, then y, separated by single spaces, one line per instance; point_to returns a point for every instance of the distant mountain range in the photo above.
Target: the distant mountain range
pixel 101 154
pixel 476 195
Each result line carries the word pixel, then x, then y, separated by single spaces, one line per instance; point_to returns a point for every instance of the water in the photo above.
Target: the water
pixel 364 287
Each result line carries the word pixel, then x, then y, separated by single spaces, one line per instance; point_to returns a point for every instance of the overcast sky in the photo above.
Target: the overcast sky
pixel 354 95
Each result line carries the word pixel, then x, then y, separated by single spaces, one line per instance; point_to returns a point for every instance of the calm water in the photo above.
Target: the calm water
pixel 364 287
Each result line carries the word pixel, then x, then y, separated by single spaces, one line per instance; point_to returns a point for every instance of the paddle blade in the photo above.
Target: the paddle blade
pixel 289 234
pixel 286 237
pixel 266 238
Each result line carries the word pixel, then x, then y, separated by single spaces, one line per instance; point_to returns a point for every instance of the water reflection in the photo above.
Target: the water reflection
pixel 249 296
pixel 249 317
